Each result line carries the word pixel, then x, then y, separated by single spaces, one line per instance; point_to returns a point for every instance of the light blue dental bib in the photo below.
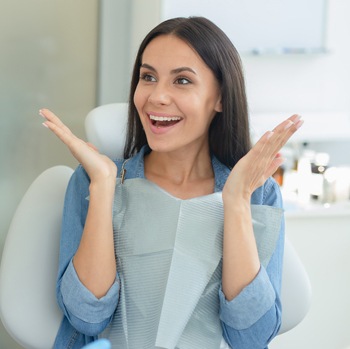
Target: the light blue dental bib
pixel 169 257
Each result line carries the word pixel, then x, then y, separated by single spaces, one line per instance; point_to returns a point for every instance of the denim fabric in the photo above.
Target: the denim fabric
pixel 249 321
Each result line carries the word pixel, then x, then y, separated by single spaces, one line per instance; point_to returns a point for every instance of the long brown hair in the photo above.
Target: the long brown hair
pixel 229 137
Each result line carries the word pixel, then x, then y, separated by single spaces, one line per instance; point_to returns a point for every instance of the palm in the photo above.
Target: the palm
pixel 262 160
pixel 95 164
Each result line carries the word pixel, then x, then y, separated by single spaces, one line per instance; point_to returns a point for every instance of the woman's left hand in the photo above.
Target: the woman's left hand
pixel 261 162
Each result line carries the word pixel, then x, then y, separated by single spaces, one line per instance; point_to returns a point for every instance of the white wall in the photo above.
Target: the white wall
pixel 307 83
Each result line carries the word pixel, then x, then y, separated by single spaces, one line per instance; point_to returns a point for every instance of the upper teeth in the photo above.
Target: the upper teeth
pixel 164 118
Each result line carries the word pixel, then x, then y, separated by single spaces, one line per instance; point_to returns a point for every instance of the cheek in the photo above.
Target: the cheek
pixel 140 97
pixel 139 102
pixel 137 98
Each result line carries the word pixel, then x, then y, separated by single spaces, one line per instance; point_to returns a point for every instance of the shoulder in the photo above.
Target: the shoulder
pixel 134 166
pixel 79 181
pixel 268 194
pixel 221 172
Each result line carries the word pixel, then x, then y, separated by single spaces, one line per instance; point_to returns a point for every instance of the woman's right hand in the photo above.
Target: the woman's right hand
pixel 94 260
pixel 98 166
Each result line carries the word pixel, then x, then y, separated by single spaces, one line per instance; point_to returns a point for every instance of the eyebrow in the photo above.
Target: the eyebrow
pixel 173 71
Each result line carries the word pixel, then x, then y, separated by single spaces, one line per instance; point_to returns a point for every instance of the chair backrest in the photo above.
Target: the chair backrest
pixel 29 263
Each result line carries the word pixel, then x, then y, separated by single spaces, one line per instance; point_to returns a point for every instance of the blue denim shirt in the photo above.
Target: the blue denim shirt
pixel 249 321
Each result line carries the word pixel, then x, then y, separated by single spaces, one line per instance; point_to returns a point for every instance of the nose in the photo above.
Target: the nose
pixel 160 95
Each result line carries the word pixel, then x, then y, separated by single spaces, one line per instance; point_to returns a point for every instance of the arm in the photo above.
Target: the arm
pixel 241 265
pixel 87 275
pixel 87 313
pixel 240 257
pixel 253 317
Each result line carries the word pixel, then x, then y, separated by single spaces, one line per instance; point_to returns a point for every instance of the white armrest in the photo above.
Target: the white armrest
pixel 296 289
pixel 29 264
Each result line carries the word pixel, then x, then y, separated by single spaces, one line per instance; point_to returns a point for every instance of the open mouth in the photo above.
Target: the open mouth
pixel 164 121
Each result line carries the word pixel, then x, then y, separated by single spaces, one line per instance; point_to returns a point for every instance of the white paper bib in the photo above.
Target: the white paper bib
pixel 168 254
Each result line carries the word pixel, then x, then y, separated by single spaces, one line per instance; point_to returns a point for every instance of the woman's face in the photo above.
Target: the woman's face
pixel 177 96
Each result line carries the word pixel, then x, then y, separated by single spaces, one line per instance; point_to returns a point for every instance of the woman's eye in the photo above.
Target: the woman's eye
pixel 182 81
pixel 147 77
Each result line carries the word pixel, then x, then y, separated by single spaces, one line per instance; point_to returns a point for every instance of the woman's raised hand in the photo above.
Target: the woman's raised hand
pixel 98 166
pixel 252 170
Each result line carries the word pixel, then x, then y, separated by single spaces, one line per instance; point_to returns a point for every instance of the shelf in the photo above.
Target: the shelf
pixel 317 127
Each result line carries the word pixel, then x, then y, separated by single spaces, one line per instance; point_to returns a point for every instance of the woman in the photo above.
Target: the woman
pixel 181 244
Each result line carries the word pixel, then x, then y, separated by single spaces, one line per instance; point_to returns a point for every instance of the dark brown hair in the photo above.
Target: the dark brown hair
pixel 229 137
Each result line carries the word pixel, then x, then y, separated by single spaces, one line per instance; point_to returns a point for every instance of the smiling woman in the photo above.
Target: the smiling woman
pixel 179 244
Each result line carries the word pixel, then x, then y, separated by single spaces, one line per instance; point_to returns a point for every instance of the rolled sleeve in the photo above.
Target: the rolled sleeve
pixel 250 304
pixel 82 303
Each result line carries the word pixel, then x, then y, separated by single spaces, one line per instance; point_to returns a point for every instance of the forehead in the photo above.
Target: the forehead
pixel 171 50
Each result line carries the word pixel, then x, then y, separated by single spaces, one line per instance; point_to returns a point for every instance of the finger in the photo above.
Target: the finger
pixel 65 136
pixel 284 128
pixel 270 144
pixel 289 126
pixel 283 132
pixel 275 164
pixel 51 117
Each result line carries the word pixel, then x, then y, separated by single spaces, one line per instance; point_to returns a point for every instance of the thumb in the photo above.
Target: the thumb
pixel 276 163
pixel 92 146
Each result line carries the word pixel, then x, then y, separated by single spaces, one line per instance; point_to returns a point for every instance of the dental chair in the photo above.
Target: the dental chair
pixel 29 264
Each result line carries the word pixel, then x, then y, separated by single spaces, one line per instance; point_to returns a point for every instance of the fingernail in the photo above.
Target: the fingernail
pixel 289 124
pixel 269 134
pixel 44 124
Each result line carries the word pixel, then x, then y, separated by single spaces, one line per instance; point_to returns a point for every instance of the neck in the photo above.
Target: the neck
pixel 179 167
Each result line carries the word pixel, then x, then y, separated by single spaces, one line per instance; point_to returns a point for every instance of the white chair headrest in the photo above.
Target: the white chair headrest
pixel 105 127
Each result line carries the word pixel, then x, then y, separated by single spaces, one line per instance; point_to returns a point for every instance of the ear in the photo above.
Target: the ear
pixel 218 105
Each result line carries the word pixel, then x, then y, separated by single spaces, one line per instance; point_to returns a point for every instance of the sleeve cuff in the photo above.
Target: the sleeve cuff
pixel 82 303
pixel 250 304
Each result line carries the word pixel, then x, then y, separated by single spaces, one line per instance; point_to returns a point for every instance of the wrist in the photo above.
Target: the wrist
pixel 236 197
pixel 103 185
pixel 236 207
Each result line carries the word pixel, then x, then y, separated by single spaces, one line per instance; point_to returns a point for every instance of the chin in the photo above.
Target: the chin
pixel 161 147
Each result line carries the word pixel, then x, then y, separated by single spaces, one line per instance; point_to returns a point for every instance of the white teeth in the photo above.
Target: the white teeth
pixel 164 118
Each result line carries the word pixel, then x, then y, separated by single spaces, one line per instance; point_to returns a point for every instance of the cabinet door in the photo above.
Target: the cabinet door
pixel 323 244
